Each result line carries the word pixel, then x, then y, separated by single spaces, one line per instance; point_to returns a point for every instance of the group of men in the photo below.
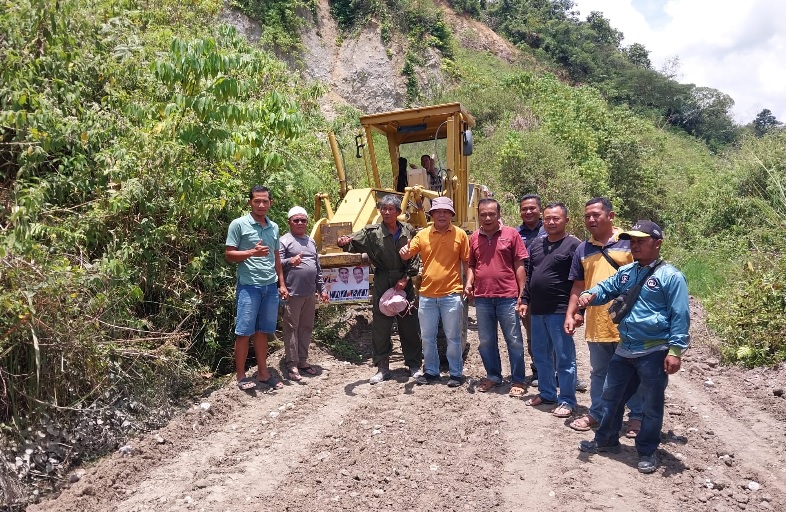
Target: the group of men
pixel 538 274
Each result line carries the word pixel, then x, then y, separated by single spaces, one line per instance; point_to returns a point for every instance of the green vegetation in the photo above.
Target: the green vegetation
pixel 131 131
pixel 130 138
pixel 282 20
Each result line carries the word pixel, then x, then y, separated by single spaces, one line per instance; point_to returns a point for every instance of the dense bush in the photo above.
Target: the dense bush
pixel 128 146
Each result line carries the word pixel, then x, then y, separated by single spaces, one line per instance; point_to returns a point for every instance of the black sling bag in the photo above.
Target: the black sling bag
pixel 622 305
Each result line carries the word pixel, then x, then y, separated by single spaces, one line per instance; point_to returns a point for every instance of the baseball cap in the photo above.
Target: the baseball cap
pixel 393 302
pixel 442 203
pixel 643 228
pixel 295 210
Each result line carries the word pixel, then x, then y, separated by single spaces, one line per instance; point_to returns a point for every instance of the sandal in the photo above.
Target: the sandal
pixel 308 370
pixel 294 375
pixel 246 384
pixel 486 384
pixel 273 382
pixel 538 400
pixel 584 423
pixel 517 390
pixel 562 411
pixel 633 429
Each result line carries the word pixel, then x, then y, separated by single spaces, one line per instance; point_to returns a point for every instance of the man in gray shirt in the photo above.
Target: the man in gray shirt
pixel 303 279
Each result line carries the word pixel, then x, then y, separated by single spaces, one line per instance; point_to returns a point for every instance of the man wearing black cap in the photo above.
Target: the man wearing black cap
pixel 654 335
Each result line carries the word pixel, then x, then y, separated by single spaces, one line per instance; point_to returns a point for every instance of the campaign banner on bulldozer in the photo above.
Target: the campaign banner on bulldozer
pixel 347 284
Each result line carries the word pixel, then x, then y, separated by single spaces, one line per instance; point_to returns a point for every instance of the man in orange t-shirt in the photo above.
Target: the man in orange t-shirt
pixel 443 248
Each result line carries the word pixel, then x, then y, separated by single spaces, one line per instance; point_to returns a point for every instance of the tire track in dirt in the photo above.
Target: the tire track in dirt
pixel 346 445
pixel 549 470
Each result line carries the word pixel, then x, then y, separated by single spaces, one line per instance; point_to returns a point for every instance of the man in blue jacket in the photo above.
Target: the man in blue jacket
pixel 653 337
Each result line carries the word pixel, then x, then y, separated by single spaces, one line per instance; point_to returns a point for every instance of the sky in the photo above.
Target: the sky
pixel 737 47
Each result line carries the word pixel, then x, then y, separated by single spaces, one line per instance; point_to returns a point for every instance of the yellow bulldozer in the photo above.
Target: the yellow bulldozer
pixel 449 128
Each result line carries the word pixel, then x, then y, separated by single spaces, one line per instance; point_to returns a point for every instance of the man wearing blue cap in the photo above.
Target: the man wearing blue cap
pixel 654 335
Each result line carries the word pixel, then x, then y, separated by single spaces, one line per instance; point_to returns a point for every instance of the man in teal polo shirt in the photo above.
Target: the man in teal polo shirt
pixel 252 243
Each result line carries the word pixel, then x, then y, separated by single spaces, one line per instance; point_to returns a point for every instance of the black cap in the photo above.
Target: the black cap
pixel 643 228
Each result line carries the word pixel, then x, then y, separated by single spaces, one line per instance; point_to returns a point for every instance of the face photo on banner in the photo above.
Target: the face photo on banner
pixel 347 284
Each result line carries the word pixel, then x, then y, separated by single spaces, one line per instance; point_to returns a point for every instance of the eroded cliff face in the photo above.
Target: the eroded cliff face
pixel 359 70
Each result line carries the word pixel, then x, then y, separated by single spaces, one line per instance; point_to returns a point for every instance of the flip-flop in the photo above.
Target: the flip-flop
pixel 633 429
pixel 538 400
pixel 273 382
pixel 246 384
pixel 307 370
pixel 517 390
pixel 294 375
pixel 583 424
pixel 563 411
pixel 486 384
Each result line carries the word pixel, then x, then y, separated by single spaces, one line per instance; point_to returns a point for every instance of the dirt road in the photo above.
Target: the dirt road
pixel 335 443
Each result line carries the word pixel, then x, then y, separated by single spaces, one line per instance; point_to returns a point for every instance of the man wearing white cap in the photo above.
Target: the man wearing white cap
pixel 442 248
pixel 303 279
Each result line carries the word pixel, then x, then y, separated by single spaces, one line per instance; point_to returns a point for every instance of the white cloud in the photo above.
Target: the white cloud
pixel 735 47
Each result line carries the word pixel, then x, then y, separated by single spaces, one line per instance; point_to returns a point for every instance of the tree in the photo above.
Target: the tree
pixel 638 55
pixel 764 122
pixel 706 115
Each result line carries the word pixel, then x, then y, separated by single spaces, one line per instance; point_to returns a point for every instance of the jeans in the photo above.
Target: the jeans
pixel 451 310
pixel 257 309
pixel 600 354
pixel 628 375
pixel 549 341
pixel 491 311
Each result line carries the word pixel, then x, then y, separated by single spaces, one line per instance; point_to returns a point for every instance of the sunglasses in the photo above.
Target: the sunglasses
pixel 298 221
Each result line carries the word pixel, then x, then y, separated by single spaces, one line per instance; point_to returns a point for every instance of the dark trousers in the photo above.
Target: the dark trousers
pixel 408 325
pixel 626 375
pixel 527 323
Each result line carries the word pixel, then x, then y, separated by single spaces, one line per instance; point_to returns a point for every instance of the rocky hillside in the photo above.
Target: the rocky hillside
pixel 359 70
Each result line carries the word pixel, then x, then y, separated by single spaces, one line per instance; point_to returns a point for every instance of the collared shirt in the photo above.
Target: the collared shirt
pixel 306 278
pixel 378 242
pixel 493 259
pixel 548 287
pixel 442 254
pixel 589 265
pixel 243 234
pixel 660 317
pixel 528 235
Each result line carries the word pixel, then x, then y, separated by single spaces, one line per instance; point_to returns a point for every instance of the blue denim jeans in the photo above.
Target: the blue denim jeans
pixel 502 311
pixel 257 309
pixel 451 310
pixel 628 375
pixel 600 354
pixel 549 342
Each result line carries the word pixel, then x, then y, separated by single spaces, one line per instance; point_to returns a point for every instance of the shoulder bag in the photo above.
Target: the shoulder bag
pixel 621 305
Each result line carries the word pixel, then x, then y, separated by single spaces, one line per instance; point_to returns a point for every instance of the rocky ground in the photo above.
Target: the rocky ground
pixel 333 442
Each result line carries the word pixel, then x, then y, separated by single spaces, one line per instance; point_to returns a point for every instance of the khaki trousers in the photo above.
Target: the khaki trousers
pixel 298 326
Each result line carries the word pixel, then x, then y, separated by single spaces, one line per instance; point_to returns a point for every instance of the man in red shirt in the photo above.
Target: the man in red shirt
pixel 496 279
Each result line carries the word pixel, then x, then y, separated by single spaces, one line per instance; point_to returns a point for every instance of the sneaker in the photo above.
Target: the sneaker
pixel 648 463
pixel 455 382
pixel 427 378
pixel 593 447
pixel 415 372
pixel 380 376
pixel 531 380
pixel 581 385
